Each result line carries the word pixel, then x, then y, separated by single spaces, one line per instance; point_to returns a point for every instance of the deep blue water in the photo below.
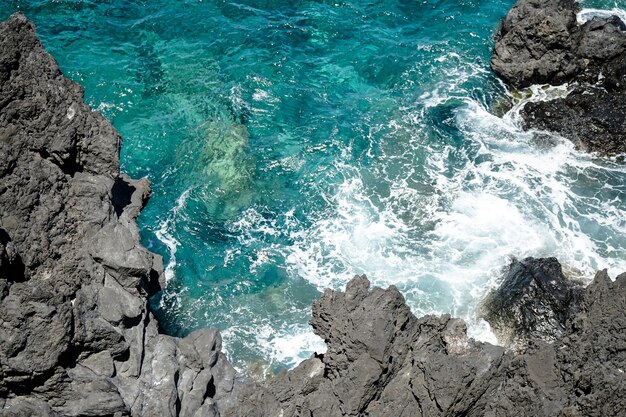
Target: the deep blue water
pixel 294 144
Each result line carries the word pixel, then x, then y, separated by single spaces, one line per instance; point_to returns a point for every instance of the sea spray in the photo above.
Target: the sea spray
pixel 291 146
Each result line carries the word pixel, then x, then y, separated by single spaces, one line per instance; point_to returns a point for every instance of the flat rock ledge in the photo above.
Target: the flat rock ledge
pixel 541 42
pixel 77 337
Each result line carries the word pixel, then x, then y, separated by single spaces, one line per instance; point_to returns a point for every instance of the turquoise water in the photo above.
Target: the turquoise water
pixel 292 145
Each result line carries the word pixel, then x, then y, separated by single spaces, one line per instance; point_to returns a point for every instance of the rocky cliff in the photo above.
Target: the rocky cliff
pixel 383 361
pixel 541 42
pixel 77 337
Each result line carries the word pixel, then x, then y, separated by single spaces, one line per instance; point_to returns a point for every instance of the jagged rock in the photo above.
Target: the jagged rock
pixel 100 363
pixel 535 43
pixel 540 42
pixel 591 117
pixel 534 302
pixel 592 355
pixel 76 335
pixel 26 407
pixel 383 361
pixel 11 266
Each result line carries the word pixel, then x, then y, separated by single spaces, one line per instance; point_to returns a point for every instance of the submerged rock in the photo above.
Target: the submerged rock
pixel 540 42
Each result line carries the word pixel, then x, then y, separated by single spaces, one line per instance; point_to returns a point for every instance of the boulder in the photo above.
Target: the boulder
pixel 533 302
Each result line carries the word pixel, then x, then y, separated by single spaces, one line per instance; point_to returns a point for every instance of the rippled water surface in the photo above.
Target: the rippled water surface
pixel 293 144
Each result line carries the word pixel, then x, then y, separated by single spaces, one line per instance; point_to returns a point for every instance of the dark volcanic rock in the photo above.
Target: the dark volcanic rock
pixel 540 42
pixel 534 302
pixel 591 117
pixel 535 43
pixel 383 361
pixel 76 336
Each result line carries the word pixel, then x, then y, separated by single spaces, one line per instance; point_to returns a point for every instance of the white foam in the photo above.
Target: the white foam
pixel 164 235
pixel 355 239
pixel 587 14
pixel 514 202
pixel 288 346
pixel 481 331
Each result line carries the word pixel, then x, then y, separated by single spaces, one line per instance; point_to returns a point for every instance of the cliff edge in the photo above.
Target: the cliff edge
pixel 77 337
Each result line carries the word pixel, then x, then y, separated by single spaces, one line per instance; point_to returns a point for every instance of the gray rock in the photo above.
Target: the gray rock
pixel 540 42
pixel 535 43
pixel 100 363
pixel 591 117
pixel 26 407
pixel 76 336
pixel 533 302
pixel 118 306
pixel 383 361
pixel 91 395
pixel 117 248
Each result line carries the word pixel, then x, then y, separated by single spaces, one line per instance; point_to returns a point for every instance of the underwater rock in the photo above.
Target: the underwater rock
pixel 540 42
pixel 227 167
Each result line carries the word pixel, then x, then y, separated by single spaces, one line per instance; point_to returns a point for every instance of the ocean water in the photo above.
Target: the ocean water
pixel 294 144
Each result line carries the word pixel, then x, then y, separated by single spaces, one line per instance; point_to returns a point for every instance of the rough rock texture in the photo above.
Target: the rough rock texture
pixel 533 302
pixel 76 336
pixel 383 361
pixel 540 42
pixel 593 118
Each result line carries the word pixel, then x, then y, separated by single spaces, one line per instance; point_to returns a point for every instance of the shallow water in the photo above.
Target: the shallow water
pixel 292 145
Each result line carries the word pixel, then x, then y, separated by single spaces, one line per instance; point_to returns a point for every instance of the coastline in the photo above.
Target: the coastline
pixel 106 356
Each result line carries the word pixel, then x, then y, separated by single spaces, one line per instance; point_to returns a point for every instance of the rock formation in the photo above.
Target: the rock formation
pixel 540 42
pixel 76 336
pixel 533 302
pixel 383 361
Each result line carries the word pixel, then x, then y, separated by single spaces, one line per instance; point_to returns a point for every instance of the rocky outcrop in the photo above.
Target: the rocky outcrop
pixel 533 302
pixel 76 336
pixel 383 361
pixel 540 42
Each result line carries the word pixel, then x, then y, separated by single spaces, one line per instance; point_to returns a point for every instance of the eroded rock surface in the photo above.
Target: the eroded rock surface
pixel 540 42
pixel 533 302
pixel 76 336
pixel 383 361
